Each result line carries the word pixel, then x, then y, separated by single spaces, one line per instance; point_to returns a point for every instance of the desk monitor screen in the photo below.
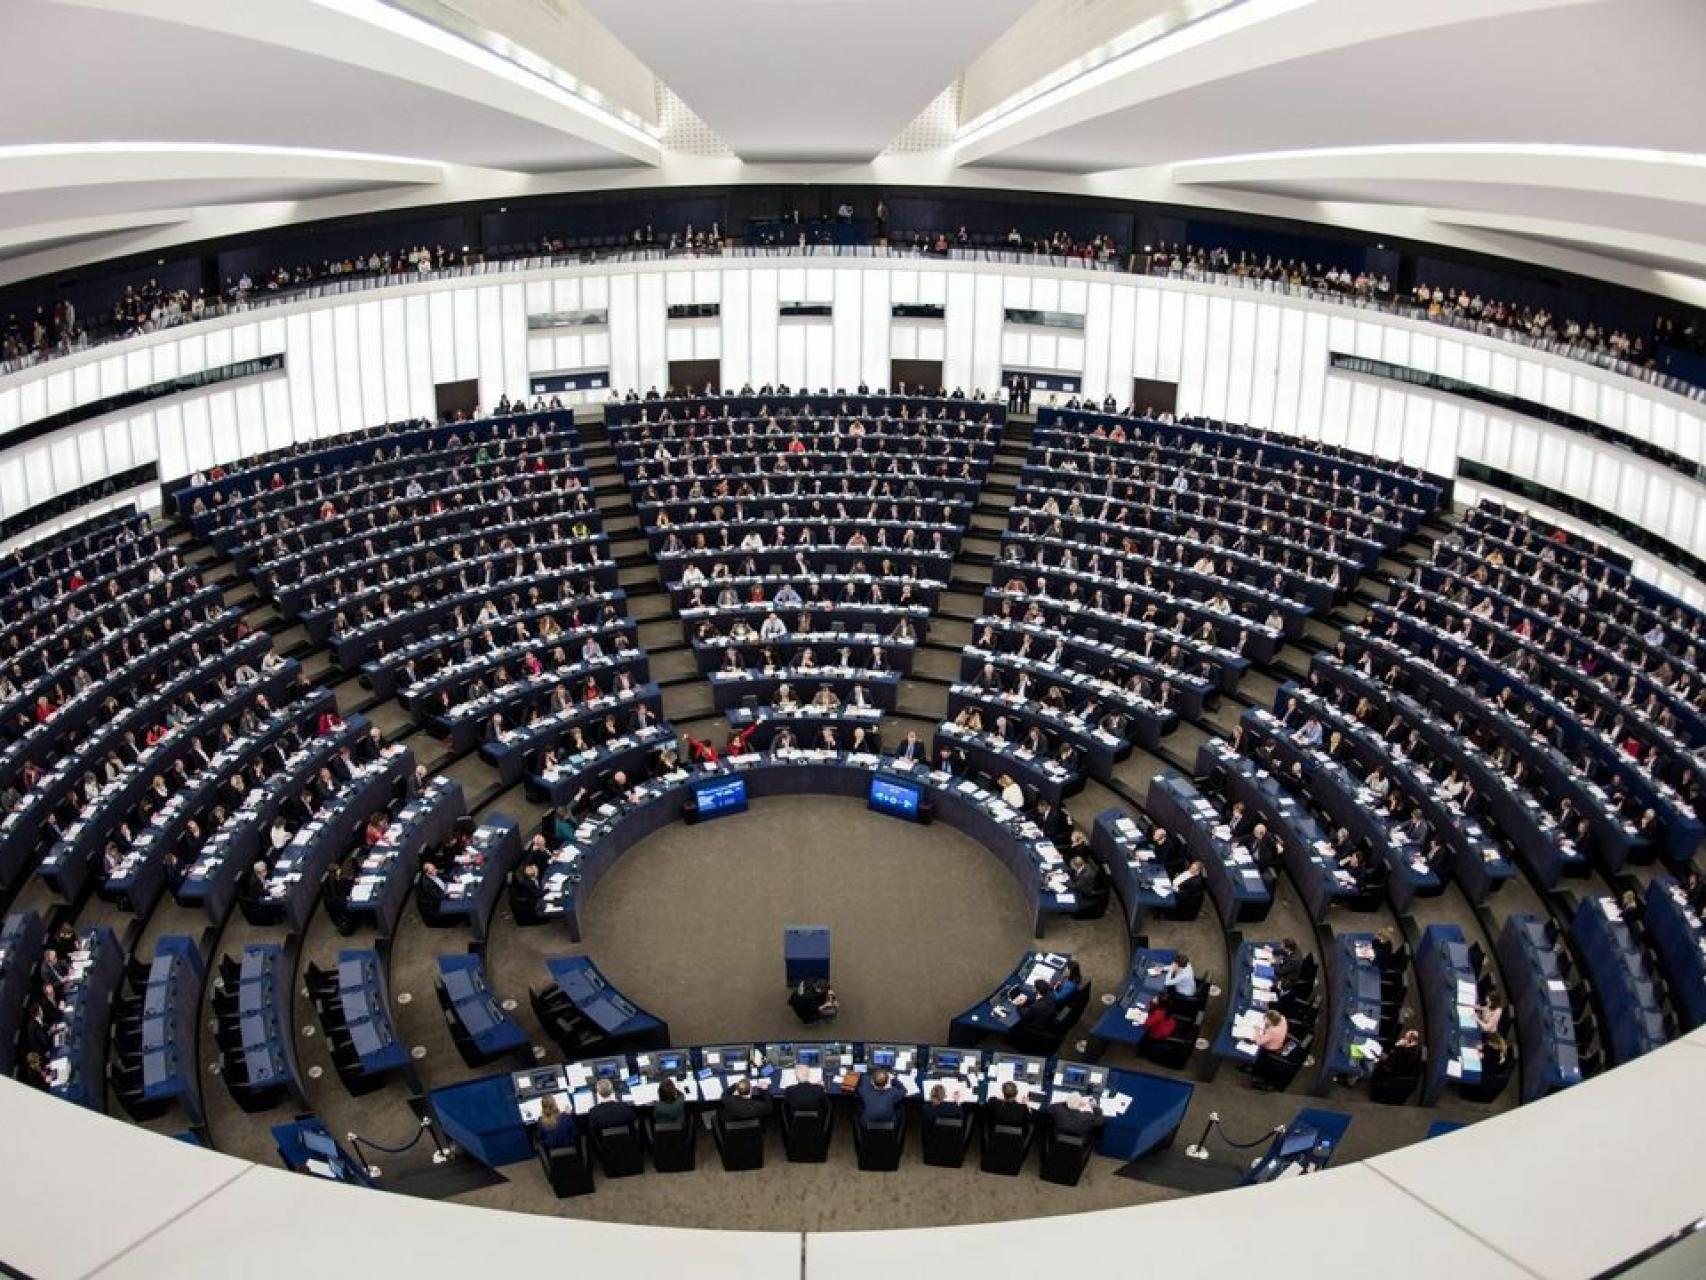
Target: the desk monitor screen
pixel 811 1057
pixel 1297 1142
pixel 882 1057
pixel 608 1070
pixel 1075 1077
pixel 948 1061
pixel 671 1063
pixel 899 799
pixel 726 795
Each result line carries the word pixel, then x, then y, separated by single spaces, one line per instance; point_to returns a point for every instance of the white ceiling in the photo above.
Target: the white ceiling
pixel 807 80
pixel 1568 132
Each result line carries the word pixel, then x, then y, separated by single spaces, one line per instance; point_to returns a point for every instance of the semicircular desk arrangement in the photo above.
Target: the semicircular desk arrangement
pixel 1519 714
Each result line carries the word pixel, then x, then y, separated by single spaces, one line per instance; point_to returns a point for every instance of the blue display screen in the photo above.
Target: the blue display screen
pixel 898 798
pixel 714 799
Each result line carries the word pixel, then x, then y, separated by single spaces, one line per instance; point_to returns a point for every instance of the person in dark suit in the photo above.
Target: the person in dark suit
pixel 1008 1109
pixel 527 893
pixel 880 1096
pixel 938 1107
pixel 430 889
pixel 741 1103
pixel 609 1111
pixel 805 1094
pixel 1038 1009
pixel 1077 1114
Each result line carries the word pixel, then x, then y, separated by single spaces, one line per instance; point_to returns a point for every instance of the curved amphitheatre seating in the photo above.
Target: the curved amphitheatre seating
pixel 1213 579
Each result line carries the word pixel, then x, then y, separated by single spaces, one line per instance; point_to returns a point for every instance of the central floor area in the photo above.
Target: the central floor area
pixel 924 923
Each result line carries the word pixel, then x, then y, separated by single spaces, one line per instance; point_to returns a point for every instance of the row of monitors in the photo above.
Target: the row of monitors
pixel 886 795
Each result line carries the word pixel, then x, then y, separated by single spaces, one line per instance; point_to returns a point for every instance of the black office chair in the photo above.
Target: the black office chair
pixel 1393 1088
pixel 740 1143
pixel 1274 1072
pixel 1173 1052
pixel 674 1145
pixel 567 1169
pixel 944 1140
pixel 620 1151
pixel 805 1133
pixel 1065 1156
pixel 1094 904
pixel 1005 1148
pixel 1187 901
pixel 878 1144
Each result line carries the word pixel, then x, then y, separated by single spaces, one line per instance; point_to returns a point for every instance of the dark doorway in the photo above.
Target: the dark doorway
pixel 457 397
pixel 926 374
pixel 692 375
pixel 1154 397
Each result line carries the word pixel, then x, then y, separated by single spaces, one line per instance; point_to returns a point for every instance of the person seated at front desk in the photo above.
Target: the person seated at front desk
pixel 1007 1109
pixel 806 1093
pixel 814 1000
pixel 671 1106
pixel 741 1103
pixel 557 1128
pixel 880 1097
pixel 1075 1114
pixel 608 1111
pixel 1037 1010
pixel 940 1107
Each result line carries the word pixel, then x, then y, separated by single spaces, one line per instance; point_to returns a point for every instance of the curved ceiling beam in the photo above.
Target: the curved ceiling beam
pixel 1223 46
pixel 56 165
pixel 376 37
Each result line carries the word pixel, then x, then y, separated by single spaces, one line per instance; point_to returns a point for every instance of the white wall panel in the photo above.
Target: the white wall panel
pixel 625 369
pixel 652 322
pixel 876 324
pixel 1264 366
pixel 1170 336
pixel 958 327
pixel 762 342
pixel 1122 343
pixel 736 322
pixel 791 353
pixel 1193 344
pixel 1146 329
pixel 370 362
pixel 987 323
pixel 394 359
pixel 1217 359
pixel 347 361
pixel 417 312
pixel 848 330
pixel 488 303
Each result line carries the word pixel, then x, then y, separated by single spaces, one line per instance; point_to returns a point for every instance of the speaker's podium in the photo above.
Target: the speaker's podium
pixel 805 952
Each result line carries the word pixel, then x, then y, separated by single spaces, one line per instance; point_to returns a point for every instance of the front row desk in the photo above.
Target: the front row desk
pixel 904 789
pixel 494 1120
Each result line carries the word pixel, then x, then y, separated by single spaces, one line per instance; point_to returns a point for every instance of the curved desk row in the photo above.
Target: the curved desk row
pixel 607 834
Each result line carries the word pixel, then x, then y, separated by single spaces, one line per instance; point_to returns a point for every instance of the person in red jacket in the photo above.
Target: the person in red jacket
pixel 1160 1023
